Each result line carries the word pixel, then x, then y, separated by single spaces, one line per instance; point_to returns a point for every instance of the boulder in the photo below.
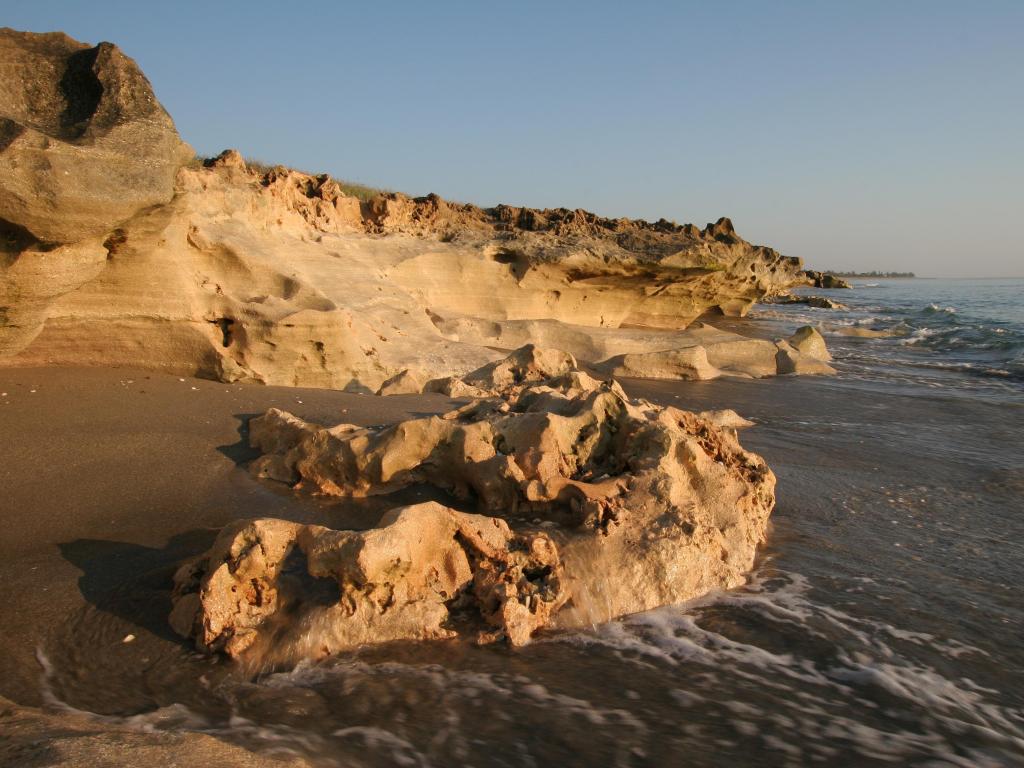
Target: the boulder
pixel 808 341
pixel 85 142
pixel 84 145
pixel 229 158
pixel 454 387
pixel 406 382
pixel 791 361
pixel 688 363
pixel 726 419
pixel 825 280
pixel 269 584
pixel 744 357
pixel 819 302
pixel 591 506
pixel 823 302
pixel 526 365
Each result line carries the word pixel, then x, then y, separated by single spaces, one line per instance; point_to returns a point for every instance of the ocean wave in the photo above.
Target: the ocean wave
pixel 817 683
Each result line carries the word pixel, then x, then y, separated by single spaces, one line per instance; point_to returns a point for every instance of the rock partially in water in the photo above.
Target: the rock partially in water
pixel 825 280
pixel 809 341
pixel 688 363
pixel 593 507
pixel 735 356
pixel 819 302
pixel 791 361
pixel 269 584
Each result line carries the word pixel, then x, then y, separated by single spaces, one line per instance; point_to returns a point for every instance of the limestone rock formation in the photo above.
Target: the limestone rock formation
pixel 112 252
pixel 809 341
pixel 726 419
pixel 819 302
pixel 85 142
pixel 84 146
pixel 278 277
pixel 408 578
pixel 790 361
pixel 803 353
pixel 825 280
pixel 689 363
pixel 592 506
pixel 405 382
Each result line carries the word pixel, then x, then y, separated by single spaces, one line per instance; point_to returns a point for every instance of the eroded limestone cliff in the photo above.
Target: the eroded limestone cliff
pixel 114 252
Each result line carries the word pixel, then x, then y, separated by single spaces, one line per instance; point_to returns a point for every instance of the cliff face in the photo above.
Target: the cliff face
pixel 84 145
pixel 115 253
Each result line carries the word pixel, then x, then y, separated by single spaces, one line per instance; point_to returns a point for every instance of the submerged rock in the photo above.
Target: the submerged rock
pixel 592 506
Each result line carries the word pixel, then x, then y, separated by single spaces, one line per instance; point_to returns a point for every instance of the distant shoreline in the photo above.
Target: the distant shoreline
pixel 873 275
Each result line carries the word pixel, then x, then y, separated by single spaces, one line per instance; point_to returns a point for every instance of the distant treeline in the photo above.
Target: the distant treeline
pixel 873 273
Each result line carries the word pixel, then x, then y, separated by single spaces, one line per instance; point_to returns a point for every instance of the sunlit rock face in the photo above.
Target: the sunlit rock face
pixel 590 506
pixel 112 251
pixel 84 146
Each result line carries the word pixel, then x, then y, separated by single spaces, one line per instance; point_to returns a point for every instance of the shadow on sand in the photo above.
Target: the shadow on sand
pixel 133 582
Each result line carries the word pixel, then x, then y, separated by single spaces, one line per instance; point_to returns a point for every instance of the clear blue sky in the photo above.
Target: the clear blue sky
pixel 865 135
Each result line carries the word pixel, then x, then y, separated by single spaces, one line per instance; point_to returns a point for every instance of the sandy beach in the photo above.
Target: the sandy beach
pixel 391 386
pixel 116 475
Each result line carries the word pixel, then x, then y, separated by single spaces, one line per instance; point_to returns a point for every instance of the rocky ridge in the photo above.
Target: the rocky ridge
pixel 115 250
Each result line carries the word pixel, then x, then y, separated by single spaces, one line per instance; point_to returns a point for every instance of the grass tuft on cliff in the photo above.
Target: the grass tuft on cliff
pixel 351 188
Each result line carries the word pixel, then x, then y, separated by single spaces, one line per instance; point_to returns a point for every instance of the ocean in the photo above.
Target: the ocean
pixel 882 625
pixel 939 329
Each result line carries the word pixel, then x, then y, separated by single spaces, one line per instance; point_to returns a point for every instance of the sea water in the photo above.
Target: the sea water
pixel 883 624
pixel 935 327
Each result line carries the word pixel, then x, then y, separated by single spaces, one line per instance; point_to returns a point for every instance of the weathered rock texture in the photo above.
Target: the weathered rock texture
pixel 113 253
pixel 84 146
pixel 825 280
pixel 592 506
pixel 803 353
pixel 819 302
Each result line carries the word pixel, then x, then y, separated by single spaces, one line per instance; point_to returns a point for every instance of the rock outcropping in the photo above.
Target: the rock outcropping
pixel 825 280
pixel 84 146
pixel 114 252
pixel 591 506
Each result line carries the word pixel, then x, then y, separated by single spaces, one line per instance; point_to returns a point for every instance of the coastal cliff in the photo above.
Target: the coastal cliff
pixel 120 248
pixel 117 247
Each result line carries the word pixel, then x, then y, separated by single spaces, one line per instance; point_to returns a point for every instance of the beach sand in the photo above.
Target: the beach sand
pixel 891 512
pixel 111 476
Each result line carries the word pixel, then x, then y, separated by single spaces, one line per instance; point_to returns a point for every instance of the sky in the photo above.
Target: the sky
pixel 862 135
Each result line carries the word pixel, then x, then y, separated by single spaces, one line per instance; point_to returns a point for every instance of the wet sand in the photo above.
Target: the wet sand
pixel 882 623
pixel 109 475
